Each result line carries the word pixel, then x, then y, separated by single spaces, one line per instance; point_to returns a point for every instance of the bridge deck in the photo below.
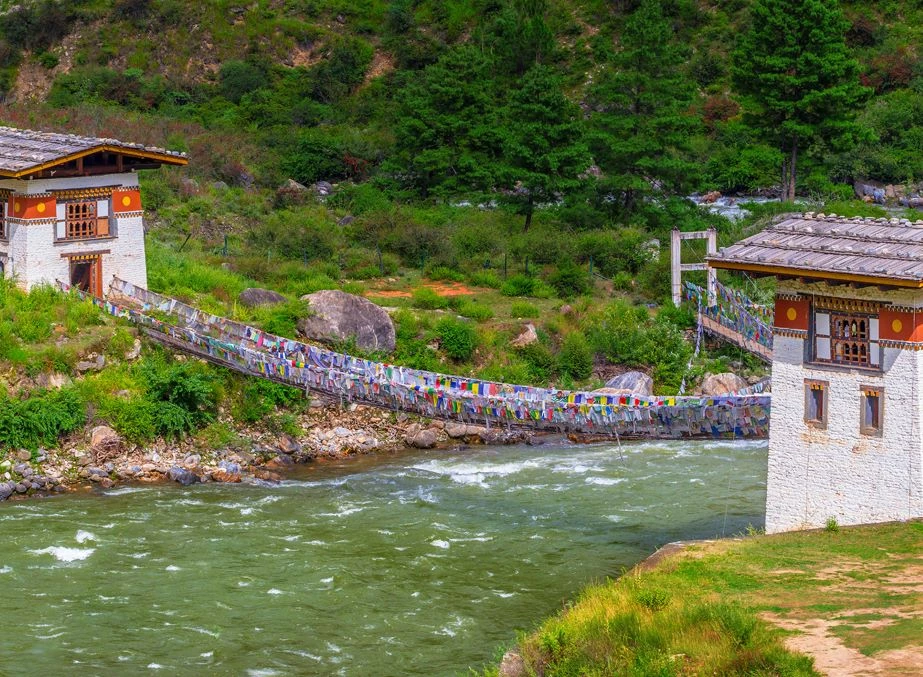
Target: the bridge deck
pixel 714 327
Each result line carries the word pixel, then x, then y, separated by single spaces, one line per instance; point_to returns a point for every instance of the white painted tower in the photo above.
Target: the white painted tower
pixel 845 429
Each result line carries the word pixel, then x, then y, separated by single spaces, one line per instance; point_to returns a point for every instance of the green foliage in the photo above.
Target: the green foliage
pixel 238 78
pixel 518 285
pixel 524 309
pixel 543 144
pixel 641 133
pixel 797 74
pixel 474 310
pixel 627 334
pixel 831 526
pixel 41 418
pixel 427 299
pixel 457 339
pixel 576 356
pixel 569 280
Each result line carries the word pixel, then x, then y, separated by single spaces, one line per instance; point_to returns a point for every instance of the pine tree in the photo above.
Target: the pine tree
pixel 543 144
pixel 446 140
pixel 798 78
pixel 642 120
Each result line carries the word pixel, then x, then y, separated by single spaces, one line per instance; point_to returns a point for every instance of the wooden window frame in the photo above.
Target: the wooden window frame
pixel 4 226
pixel 81 226
pixel 810 386
pixel 865 393
pixel 840 339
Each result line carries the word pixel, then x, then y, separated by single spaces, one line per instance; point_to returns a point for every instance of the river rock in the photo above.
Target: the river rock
pixel 226 475
pixel 339 316
pixel 721 384
pixel 6 490
pixel 256 296
pixel 289 445
pixel 630 383
pixel 526 338
pixel 280 462
pixel 105 442
pixel 21 487
pixel 181 475
pixel 456 430
pixel 424 439
pixel 24 455
pixel 512 665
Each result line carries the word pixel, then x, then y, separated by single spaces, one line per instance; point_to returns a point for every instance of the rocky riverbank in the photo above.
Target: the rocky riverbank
pixel 100 457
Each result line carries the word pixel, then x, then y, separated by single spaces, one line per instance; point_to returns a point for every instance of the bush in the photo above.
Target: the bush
pixel 485 278
pixel 524 309
pixel 540 360
pixel 440 273
pixel 456 338
pixel 474 310
pixel 569 280
pixel 41 419
pixel 576 356
pixel 426 299
pixel 518 285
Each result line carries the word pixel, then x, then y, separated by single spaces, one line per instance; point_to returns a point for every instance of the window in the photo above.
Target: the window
pixel 871 404
pixel 80 220
pixel 815 403
pixel 850 340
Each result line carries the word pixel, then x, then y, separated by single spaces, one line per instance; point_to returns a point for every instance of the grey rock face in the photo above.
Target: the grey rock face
pixel 630 383
pixel 184 477
pixel 339 316
pixel 255 296
pixel 721 384
pixel 425 439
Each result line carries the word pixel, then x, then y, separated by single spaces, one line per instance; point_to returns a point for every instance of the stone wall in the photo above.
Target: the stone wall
pixel 815 474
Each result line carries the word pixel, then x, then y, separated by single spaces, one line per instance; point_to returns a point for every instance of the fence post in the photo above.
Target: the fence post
pixel 381 263
pixel 225 245
pixel 676 285
pixel 712 275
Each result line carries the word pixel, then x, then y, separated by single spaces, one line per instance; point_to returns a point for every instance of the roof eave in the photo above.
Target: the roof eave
pixel 164 158
pixel 816 274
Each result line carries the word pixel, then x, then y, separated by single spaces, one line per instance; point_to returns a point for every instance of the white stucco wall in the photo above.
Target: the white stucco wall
pixel 36 257
pixel 814 473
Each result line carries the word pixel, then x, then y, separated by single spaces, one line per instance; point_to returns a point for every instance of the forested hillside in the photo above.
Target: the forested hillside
pixel 522 147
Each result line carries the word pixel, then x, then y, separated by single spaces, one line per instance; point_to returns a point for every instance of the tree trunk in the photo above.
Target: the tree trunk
pixel 783 187
pixel 792 173
pixel 530 207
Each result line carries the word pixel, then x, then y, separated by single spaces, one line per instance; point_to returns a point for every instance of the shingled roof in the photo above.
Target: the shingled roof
pixel 23 151
pixel 826 246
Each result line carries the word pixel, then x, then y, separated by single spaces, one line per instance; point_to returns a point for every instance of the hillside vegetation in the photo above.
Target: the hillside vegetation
pixel 532 154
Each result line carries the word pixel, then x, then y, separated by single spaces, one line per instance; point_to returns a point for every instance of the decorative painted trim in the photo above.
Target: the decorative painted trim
pixel 12 220
pixel 84 193
pixel 848 305
pixel 791 297
pixel 129 215
pixel 816 274
pixel 86 255
pixel 66 241
pixel 900 345
pixel 790 333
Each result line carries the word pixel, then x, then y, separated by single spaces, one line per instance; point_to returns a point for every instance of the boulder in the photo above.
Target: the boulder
pixel 711 197
pixel 456 430
pixel 424 439
pixel 279 462
pixel 323 188
pixel 6 490
pixel 53 381
pixel 721 384
pixel 134 352
pixel 629 383
pixel 339 316
pixel 24 455
pixel 105 442
pixel 526 338
pixel 289 445
pixel 255 296
pixel 293 191
pixel 181 475
pixel 512 665
pixel 346 220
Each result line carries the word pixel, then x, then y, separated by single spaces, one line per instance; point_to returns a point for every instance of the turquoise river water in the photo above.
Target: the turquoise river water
pixel 419 563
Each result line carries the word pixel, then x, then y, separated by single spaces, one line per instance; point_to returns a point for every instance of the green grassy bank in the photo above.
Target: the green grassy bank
pixel 726 607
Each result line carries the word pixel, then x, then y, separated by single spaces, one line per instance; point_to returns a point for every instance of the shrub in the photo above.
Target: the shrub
pixel 569 280
pixel 426 299
pixel 576 356
pixel 456 338
pixel 485 278
pixel 444 273
pixel 524 309
pixel 474 310
pixel 41 419
pixel 518 285
pixel 540 361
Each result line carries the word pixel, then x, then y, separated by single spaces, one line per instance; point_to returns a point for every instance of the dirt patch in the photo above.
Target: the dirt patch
pixel 831 656
pixel 382 64
pixel 443 289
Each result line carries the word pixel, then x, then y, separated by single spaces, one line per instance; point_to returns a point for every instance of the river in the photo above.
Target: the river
pixel 418 563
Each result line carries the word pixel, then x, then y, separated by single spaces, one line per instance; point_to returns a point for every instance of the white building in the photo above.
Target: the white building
pixel 70 208
pixel 846 429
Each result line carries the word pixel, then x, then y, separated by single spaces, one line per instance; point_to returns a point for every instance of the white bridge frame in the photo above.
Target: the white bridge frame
pixel 677 267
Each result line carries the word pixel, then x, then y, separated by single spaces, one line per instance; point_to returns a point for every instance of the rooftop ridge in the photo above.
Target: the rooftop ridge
pixel 893 221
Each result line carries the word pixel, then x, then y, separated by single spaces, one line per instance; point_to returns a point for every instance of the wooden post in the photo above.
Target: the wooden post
pixel 711 273
pixel 676 275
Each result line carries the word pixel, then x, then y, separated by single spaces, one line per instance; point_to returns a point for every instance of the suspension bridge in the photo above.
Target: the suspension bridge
pixel 253 352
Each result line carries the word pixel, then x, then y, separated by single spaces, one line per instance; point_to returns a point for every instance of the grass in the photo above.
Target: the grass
pixel 701 611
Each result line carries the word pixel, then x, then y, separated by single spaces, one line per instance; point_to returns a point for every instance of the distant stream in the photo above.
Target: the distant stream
pixel 419 563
